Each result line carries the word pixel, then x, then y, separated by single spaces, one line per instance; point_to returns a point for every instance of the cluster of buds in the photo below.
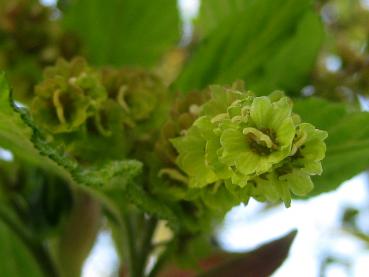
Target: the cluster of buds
pixel 29 40
pixel 90 109
pixel 256 144
pixel 185 110
pixel 25 22
pixel 69 94
pixel 142 97
pixel 346 79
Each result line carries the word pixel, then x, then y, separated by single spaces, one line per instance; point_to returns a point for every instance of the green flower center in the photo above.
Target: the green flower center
pixel 262 141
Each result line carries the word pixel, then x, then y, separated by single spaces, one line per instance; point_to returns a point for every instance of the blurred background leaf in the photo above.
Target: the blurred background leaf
pixel 16 261
pixel 212 12
pixel 15 242
pixel 253 41
pixel 130 32
pixel 347 143
pixel 262 261
pixel 290 72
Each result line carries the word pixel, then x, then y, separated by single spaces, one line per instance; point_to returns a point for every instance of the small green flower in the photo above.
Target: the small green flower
pixel 68 96
pixel 212 148
pixel 264 138
pixel 142 97
pixel 193 158
pixel 254 146
pixel 221 99
pixel 293 173
pixel 185 110
pixel 309 148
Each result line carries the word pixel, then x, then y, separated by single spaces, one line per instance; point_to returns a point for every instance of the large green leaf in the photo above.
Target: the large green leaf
pixel 269 43
pixel 347 143
pixel 212 12
pixel 133 32
pixel 290 67
pixel 17 260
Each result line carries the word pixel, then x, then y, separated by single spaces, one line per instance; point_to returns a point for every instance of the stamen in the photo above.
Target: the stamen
pixel 121 100
pixel 259 136
pixel 173 174
pixel 59 107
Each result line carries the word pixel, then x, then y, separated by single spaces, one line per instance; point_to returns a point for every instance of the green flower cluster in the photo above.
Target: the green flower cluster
pixel 185 110
pixel 254 144
pixel 141 96
pixel 70 93
pixel 30 40
pixel 86 110
pixel 24 23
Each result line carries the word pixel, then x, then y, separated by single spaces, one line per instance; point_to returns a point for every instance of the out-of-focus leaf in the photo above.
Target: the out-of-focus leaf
pixel 17 260
pixel 347 143
pixel 133 32
pixel 79 234
pixel 269 43
pixel 214 11
pixel 260 262
pixel 290 67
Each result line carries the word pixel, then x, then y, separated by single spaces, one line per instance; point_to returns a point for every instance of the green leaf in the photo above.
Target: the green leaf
pixel 146 202
pixel 212 12
pixel 347 143
pixel 133 32
pixel 117 181
pixel 193 147
pixel 18 261
pixel 79 234
pixel 14 133
pixel 268 43
pixel 289 68
pixel 108 181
